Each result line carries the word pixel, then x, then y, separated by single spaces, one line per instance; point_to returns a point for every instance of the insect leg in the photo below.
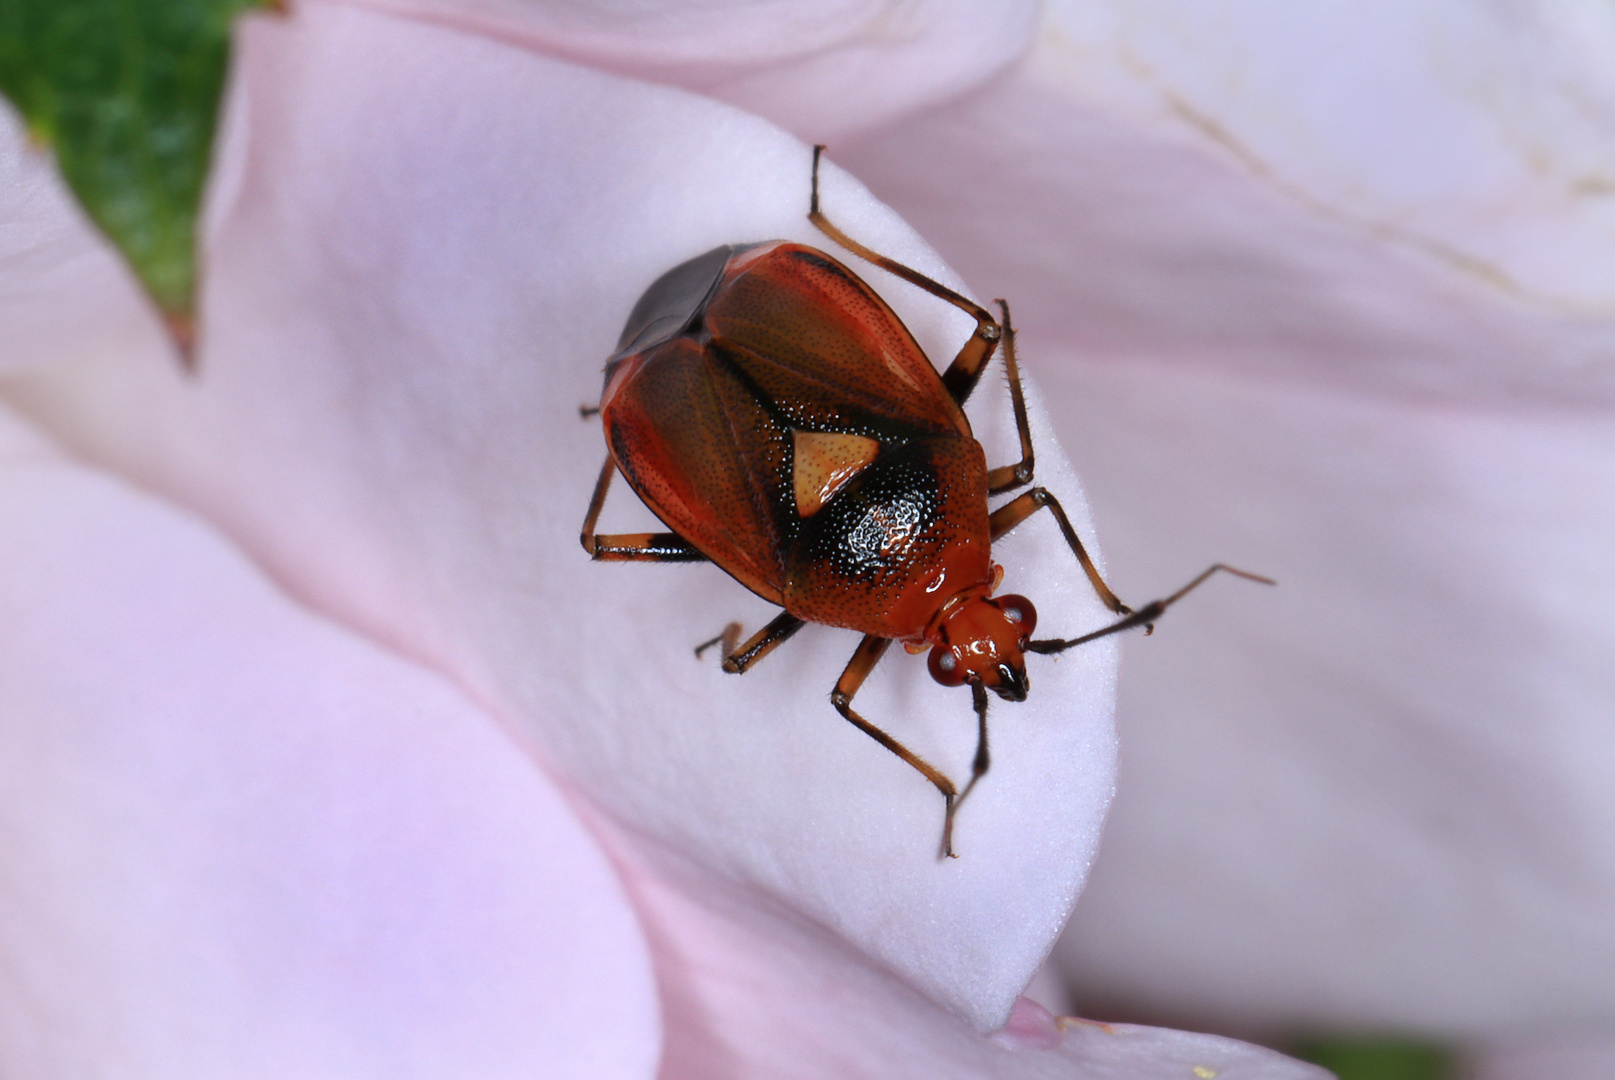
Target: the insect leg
pixel 863 661
pixel 1023 506
pixel 728 639
pixel 1145 615
pixel 1008 477
pixel 630 547
pixel 962 375
pixel 737 659
pixel 978 767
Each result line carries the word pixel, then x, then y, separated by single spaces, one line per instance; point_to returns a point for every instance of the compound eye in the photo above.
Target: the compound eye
pixel 945 666
pixel 1018 609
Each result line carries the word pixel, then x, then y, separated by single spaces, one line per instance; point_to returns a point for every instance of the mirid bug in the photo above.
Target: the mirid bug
pixel 773 412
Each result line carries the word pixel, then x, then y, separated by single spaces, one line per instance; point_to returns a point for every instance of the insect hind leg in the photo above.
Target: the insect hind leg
pixel 1008 477
pixel 738 658
pixel 965 371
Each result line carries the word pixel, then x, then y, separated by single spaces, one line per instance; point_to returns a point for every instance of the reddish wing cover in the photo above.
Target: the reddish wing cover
pixel 791 340
pixel 707 458
pixel 824 348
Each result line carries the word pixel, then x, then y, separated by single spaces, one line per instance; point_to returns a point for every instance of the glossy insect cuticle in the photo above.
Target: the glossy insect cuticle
pixel 779 418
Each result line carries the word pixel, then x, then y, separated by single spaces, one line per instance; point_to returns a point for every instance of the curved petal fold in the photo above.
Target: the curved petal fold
pixel 241 841
pixel 824 69
pixel 754 990
pixel 1481 136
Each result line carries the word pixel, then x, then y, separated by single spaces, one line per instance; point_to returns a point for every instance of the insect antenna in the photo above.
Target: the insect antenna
pixel 978 768
pixel 1144 616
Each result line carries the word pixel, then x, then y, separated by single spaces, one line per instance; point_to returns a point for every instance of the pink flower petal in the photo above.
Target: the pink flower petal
pixel 242 842
pixel 1587 1054
pixel 824 69
pixel 1378 794
pixel 1476 135
pixel 1413 750
pixel 63 292
pixel 1128 245
pixel 423 247
pixel 754 990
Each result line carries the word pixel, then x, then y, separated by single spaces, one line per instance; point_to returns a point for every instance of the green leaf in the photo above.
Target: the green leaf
pixel 126 92
pixel 1379 1059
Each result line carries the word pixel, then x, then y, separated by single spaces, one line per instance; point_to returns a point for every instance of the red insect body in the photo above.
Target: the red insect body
pixel 753 438
pixel 772 410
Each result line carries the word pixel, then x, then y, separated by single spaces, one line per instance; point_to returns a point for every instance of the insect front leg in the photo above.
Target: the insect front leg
pixel 863 661
pixel 962 375
pixel 1023 506
pixel 630 547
